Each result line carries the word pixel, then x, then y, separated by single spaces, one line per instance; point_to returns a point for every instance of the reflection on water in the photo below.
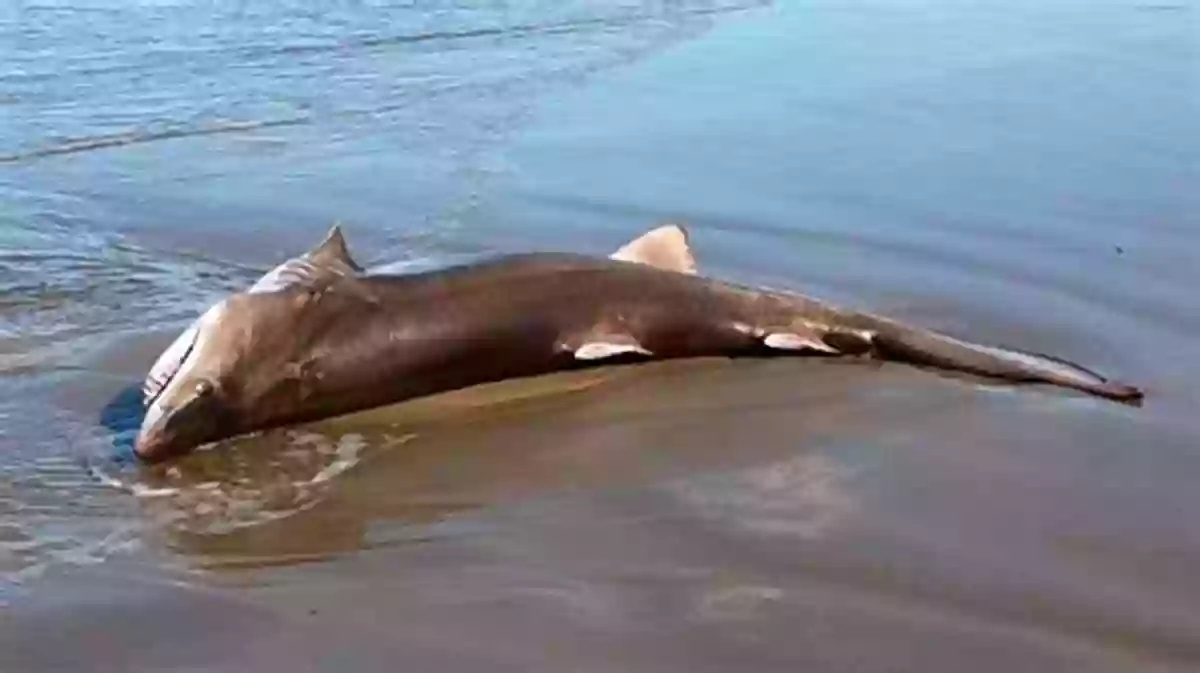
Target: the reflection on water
pixel 376 479
pixel 802 496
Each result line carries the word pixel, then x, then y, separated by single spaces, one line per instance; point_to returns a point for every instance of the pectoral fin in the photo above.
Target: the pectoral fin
pixel 792 341
pixel 600 346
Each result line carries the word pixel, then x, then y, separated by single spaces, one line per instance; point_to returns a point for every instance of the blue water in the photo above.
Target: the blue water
pixel 1020 173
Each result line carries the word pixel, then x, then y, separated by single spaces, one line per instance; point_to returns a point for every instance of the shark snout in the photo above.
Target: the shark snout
pixel 171 429
pixel 151 445
pixel 158 437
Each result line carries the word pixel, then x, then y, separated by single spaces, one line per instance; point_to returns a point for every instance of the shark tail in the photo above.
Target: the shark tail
pixel 894 341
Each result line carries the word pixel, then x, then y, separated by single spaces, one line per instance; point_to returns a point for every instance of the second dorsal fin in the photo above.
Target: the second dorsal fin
pixel 665 247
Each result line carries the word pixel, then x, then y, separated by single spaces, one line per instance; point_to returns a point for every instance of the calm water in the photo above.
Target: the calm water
pixel 1019 172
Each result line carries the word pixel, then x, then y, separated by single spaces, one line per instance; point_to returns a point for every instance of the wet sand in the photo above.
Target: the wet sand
pixel 1020 174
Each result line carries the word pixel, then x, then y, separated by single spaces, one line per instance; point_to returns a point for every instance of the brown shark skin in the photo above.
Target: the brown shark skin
pixel 311 353
pixel 307 353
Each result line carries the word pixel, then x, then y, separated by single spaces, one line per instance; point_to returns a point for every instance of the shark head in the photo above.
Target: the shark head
pixel 201 384
pixel 192 406
pixel 248 368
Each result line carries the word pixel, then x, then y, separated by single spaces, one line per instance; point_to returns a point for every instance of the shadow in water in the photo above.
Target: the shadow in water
pixel 122 416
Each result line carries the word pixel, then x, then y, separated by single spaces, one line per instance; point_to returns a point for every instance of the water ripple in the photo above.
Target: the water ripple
pixel 85 144
pixel 154 81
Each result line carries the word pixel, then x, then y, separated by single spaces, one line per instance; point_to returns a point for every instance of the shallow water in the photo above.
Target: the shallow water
pixel 1019 173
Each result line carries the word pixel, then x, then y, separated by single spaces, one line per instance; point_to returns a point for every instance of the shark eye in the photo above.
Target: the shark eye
pixel 204 388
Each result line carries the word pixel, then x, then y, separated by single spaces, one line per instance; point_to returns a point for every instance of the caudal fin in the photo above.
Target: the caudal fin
pixel 894 341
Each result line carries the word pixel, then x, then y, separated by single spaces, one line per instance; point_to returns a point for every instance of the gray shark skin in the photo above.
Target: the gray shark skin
pixel 318 338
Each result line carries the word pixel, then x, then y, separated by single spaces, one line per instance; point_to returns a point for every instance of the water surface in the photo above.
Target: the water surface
pixel 1021 173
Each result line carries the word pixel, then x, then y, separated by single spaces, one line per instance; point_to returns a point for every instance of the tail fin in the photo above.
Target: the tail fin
pixel 895 341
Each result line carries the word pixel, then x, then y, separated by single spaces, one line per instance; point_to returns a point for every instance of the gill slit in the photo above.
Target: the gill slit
pixel 170 379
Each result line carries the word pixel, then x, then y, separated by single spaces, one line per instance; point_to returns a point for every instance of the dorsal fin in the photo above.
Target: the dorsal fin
pixel 665 247
pixel 328 259
pixel 334 249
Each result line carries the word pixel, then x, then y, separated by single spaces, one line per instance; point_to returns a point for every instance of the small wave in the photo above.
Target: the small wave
pixel 519 31
pixel 53 514
pixel 219 492
pixel 276 63
pixel 96 142
pixel 74 510
pixel 58 305
pixel 581 24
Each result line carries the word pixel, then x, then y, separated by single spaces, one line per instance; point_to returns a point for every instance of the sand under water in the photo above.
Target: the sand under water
pixel 1021 173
